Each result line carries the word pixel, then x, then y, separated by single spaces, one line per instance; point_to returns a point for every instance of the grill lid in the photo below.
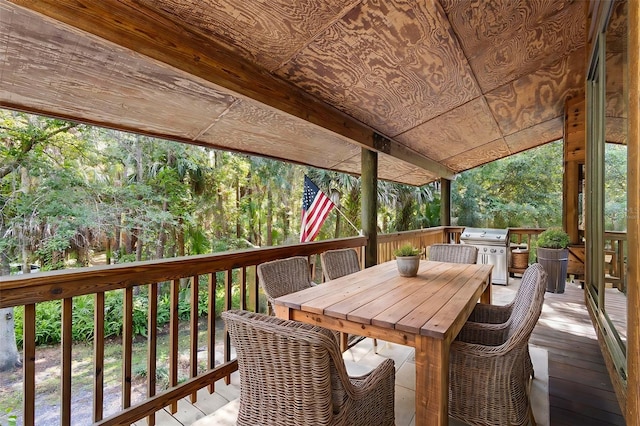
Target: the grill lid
pixel 488 236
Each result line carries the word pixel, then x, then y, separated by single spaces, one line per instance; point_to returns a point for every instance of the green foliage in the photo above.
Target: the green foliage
pixel 521 190
pixel 406 250
pixel 554 238
pixel 48 314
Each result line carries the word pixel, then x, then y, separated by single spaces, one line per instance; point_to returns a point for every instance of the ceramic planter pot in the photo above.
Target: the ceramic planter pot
pixel 408 265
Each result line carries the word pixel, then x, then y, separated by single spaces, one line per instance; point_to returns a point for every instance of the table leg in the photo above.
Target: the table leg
pixel 282 312
pixel 344 341
pixel 432 381
pixel 485 297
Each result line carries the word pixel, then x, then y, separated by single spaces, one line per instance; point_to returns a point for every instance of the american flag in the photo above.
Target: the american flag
pixel 315 208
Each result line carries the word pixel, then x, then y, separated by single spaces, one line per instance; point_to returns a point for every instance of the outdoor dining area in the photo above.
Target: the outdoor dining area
pixel 472 359
pixel 332 332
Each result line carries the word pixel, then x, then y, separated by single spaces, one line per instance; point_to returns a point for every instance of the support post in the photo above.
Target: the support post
pixel 574 158
pixel 633 219
pixel 445 202
pixel 369 187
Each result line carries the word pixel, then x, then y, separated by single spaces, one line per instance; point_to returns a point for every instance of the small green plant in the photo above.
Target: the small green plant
pixel 553 238
pixel 406 250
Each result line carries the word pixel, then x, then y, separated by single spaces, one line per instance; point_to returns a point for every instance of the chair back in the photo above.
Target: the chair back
pixel 287 370
pixel 338 263
pixel 453 253
pixel 284 276
pixel 527 306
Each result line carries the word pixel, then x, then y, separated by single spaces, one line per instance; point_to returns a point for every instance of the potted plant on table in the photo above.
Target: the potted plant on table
pixel 407 260
pixel 553 255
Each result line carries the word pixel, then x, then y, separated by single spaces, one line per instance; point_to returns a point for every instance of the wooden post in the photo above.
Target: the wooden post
pixel 574 158
pixel 445 202
pixel 632 414
pixel 369 186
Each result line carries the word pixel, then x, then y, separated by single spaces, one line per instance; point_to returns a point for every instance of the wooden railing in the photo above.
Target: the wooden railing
pixel 420 239
pixel 615 256
pixel 29 290
pixel 238 271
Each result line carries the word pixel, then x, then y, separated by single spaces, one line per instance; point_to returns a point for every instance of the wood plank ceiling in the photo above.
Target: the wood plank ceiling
pixel 437 87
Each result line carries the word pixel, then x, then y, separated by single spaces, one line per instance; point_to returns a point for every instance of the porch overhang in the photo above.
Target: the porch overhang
pixel 435 88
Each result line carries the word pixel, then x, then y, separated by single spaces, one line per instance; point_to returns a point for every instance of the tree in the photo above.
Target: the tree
pixel 521 190
pixel 24 137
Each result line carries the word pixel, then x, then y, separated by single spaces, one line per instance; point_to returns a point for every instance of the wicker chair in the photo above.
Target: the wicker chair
pixel 293 374
pixel 284 276
pixel 488 380
pixel 336 264
pixel 453 253
pixel 500 314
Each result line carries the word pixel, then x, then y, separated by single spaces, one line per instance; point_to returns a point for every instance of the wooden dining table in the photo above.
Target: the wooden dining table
pixel 426 312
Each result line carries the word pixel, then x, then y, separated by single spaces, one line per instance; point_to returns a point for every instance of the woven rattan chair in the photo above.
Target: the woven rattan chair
pixel 338 263
pixel 453 253
pixel 293 374
pixel 284 276
pixel 488 381
pixel 500 314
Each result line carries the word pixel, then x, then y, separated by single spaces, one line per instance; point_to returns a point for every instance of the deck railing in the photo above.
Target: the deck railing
pixel 420 239
pixel 185 274
pixel 236 270
pixel 615 252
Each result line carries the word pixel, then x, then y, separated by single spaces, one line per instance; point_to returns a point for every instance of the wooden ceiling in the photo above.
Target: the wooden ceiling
pixel 436 87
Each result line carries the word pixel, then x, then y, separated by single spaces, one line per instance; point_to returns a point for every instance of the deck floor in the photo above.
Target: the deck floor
pixel 579 388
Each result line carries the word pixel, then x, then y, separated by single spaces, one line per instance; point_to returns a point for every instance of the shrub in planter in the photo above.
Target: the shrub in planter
pixel 553 255
pixel 407 260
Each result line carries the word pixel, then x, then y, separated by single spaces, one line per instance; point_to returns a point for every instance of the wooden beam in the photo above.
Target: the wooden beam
pixel 151 34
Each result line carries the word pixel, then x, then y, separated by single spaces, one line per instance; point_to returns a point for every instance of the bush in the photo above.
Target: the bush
pixel 553 238
pixel 48 314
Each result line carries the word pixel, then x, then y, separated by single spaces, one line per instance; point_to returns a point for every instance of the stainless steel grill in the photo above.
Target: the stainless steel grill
pixel 493 249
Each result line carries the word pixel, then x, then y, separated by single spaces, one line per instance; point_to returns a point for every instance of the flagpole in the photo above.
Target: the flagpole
pixel 335 206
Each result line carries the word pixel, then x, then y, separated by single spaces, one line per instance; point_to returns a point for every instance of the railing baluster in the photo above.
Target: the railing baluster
pixel 194 332
pixel 242 282
pixel 67 341
pixel 211 326
pixel 152 346
pixel 228 282
pixel 98 357
pixel 127 345
pixel 29 363
pixel 255 290
pixel 173 339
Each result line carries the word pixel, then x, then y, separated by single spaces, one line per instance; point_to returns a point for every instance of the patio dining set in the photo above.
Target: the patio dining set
pixel 472 357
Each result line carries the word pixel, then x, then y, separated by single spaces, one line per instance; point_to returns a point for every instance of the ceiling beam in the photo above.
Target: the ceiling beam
pixel 148 33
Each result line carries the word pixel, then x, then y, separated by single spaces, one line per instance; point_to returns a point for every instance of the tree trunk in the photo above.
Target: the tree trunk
pixel 9 356
pixel 238 216
pixel 269 218
pixel 180 237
